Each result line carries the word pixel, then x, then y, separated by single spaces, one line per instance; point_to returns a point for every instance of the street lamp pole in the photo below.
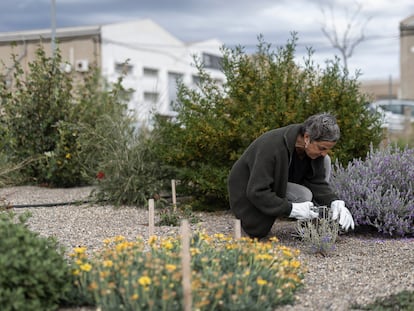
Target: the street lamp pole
pixel 53 17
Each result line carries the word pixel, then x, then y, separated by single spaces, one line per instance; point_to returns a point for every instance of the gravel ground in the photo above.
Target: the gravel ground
pixel 363 267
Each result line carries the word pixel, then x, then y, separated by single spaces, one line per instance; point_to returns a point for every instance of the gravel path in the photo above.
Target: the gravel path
pixel 362 268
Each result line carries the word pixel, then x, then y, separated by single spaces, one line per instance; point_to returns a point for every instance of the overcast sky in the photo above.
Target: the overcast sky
pixel 238 22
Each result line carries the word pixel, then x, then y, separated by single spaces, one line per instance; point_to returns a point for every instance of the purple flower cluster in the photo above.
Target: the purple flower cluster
pixel 379 189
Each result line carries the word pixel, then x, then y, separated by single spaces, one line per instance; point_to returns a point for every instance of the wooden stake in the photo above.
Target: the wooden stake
pixel 150 218
pixel 174 196
pixel 237 229
pixel 186 265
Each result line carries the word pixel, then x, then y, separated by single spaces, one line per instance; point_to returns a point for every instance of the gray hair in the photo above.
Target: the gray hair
pixel 321 127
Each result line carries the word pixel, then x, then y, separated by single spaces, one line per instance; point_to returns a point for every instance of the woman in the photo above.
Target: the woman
pixel 283 173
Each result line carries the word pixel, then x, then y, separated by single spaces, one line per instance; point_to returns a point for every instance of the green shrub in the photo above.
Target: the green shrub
pixel 129 172
pixel 44 112
pixel 262 91
pixel 33 272
pixel 226 274
pixel 33 106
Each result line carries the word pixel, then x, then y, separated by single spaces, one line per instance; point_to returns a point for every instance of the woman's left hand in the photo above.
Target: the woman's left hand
pixel 345 218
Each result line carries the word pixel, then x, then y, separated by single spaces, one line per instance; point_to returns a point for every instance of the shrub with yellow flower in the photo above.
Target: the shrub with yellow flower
pixel 227 274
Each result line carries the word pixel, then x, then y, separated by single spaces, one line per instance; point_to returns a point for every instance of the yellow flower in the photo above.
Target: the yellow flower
pixel 264 257
pixel 134 297
pixel 119 238
pixel 76 272
pixel 194 251
pixel 85 267
pixel 152 240
pixel 260 281
pixel 144 281
pixel 107 241
pixel 79 250
pixel 170 267
pixel 68 156
pixel 219 236
pixel 231 246
pixel 295 264
pixel 287 253
pixel 108 263
pixel 285 263
pixel 123 246
pixel 167 244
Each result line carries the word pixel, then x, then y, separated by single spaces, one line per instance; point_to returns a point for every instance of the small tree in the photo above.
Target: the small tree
pixel 352 36
pixel 263 91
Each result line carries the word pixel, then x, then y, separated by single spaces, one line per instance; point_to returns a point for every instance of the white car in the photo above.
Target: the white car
pixel 392 111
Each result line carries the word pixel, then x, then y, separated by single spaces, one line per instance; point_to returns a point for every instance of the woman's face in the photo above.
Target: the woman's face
pixel 316 149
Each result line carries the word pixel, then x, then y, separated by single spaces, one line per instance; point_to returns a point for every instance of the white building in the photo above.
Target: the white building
pixel 152 58
pixel 155 60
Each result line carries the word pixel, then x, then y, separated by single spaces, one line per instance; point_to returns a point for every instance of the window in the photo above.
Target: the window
pixel 150 73
pixel 212 61
pixel 150 97
pixel 173 79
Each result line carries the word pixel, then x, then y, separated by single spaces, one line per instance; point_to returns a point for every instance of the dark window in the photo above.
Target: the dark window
pixel 150 72
pixel 173 79
pixel 212 61
pixel 151 97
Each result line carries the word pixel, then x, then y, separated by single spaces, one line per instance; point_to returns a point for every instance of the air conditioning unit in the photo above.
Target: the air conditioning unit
pixel 66 67
pixel 82 65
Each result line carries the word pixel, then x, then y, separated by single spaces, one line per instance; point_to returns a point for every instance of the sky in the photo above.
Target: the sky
pixel 239 23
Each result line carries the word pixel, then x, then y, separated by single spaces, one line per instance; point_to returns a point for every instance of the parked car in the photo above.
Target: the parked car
pixel 393 112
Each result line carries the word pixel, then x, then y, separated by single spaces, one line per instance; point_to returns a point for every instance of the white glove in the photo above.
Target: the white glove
pixel 345 218
pixel 302 211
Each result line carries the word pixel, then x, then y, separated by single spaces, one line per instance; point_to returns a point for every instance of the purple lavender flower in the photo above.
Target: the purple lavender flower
pixel 379 189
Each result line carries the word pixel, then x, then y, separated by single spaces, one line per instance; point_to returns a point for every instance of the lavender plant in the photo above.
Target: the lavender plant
pixel 379 189
pixel 319 235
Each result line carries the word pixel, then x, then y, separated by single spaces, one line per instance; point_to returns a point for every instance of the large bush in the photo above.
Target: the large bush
pixel 263 91
pixel 43 113
pixel 34 275
pixel 379 189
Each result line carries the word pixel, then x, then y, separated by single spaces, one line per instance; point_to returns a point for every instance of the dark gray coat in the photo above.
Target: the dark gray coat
pixel 258 180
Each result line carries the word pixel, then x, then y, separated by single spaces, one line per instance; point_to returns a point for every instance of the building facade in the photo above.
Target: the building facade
pixel 156 60
pixel 79 46
pixel 150 58
pixel 407 58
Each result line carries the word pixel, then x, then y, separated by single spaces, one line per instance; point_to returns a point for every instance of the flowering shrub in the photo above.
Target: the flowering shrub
pixel 379 189
pixel 227 274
